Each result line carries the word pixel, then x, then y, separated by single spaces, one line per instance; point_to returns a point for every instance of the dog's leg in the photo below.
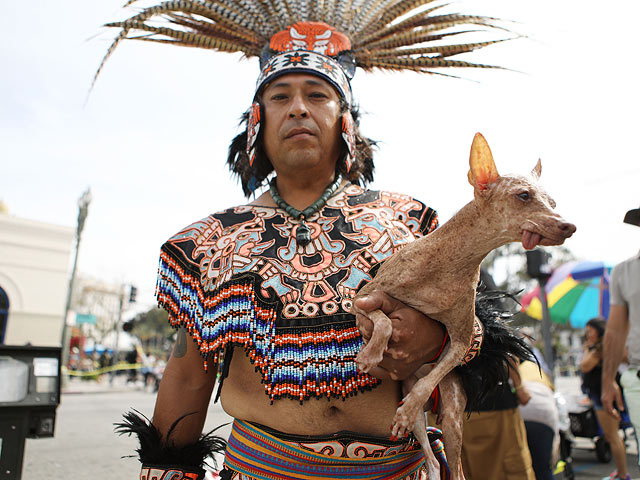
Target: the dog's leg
pixel 453 401
pixel 413 403
pixel 420 432
pixel 371 354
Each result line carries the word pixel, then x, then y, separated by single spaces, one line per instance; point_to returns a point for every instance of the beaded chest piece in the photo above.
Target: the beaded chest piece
pixel 240 278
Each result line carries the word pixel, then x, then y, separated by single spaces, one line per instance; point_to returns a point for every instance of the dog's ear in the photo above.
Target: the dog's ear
pixel 482 169
pixel 537 170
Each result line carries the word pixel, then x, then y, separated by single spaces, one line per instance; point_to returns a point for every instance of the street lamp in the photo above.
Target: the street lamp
pixel 538 268
pixel 83 210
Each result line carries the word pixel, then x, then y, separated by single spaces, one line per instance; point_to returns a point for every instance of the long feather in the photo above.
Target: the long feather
pixel 393 12
pixel 418 19
pixel 189 38
pixel 442 51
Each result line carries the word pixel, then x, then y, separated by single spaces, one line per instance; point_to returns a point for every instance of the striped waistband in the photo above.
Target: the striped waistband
pixel 260 454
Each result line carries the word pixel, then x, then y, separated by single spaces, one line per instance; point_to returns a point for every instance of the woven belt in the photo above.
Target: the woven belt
pixel 260 454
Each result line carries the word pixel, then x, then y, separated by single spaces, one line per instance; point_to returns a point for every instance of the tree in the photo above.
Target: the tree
pixel 154 331
pixel 508 266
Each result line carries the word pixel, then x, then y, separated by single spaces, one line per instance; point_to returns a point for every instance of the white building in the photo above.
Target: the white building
pixel 34 276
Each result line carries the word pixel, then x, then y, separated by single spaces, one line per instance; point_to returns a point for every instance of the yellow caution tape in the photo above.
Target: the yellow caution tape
pixel 101 371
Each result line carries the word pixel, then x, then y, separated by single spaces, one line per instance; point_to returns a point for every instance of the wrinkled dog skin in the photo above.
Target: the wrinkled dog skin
pixel 438 274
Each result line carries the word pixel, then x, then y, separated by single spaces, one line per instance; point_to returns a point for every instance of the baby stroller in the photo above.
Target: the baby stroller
pixel 585 424
pixel 565 462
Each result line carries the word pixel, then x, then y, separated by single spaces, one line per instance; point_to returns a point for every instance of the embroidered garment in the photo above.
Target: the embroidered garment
pixel 258 453
pixel 238 278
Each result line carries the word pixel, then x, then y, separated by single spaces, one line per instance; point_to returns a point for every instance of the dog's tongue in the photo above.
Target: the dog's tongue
pixel 530 239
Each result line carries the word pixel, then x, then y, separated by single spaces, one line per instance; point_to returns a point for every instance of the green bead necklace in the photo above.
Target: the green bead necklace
pixel 303 233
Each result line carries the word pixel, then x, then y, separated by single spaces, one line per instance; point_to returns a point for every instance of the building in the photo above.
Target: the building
pixel 34 277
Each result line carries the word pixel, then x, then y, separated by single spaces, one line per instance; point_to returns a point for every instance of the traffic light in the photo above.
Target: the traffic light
pixel 132 294
pixel 537 266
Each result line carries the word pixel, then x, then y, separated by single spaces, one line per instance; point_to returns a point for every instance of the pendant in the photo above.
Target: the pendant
pixel 303 235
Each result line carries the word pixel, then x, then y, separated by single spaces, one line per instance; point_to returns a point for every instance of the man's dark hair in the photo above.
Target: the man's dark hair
pixel 252 177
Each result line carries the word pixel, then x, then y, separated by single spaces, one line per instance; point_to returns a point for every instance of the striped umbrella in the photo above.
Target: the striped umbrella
pixel 576 292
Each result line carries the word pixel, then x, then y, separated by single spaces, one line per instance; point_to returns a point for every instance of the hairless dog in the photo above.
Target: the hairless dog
pixel 438 275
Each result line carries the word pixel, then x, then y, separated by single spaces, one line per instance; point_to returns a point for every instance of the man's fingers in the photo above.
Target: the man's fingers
pixel 377 300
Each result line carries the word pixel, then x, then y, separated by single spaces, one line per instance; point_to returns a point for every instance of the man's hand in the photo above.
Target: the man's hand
pixel 612 399
pixel 415 340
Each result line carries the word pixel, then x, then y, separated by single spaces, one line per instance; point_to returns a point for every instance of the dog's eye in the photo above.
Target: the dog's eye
pixel 524 196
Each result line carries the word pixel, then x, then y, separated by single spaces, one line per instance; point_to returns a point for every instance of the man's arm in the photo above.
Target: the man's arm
pixel 416 338
pixel 185 388
pixel 615 337
pixel 516 380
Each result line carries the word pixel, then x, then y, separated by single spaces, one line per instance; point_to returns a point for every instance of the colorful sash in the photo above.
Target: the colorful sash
pixel 256 453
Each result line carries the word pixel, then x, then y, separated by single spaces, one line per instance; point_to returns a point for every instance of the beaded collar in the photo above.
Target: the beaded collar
pixel 239 278
pixel 303 234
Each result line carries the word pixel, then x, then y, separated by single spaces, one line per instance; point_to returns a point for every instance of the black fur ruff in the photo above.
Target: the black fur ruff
pixel 154 451
pixel 482 376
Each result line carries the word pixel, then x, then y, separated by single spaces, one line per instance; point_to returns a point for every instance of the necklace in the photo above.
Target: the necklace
pixel 303 234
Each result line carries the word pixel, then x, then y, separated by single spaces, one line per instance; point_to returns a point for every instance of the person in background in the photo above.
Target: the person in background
pixel 539 413
pixel 494 440
pixel 623 328
pixel 591 368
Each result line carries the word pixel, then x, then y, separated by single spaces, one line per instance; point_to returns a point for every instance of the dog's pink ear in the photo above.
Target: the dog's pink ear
pixel 537 170
pixel 482 169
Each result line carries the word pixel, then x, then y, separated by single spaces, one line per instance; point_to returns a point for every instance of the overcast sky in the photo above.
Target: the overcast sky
pixel 151 140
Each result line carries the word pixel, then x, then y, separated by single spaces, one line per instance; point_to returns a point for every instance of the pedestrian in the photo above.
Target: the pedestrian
pixel 539 412
pixel 591 368
pixel 261 293
pixel 494 442
pixel 623 329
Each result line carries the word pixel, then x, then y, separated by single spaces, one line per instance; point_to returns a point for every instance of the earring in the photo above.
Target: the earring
pixel 253 127
pixel 349 136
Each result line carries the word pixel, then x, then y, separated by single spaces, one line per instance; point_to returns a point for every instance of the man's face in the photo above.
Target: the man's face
pixel 302 123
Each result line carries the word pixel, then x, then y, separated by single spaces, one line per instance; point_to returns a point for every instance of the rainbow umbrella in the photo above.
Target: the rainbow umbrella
pixel 576 292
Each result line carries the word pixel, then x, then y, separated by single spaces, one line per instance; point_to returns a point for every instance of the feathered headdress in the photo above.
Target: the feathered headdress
pixel 386 34
pixel 327 38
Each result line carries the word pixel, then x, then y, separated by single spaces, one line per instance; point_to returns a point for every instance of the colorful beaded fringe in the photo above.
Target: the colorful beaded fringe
pixel 297 363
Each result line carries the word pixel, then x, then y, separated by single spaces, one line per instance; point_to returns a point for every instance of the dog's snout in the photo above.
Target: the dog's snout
pixel 567 228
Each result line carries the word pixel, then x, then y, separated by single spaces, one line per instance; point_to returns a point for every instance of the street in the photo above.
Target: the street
pixel 85 446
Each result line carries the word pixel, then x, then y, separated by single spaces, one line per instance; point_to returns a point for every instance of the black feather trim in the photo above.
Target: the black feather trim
pixel 158 452
pixel 482 376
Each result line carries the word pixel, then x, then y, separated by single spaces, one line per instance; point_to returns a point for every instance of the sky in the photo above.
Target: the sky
pixel 151 139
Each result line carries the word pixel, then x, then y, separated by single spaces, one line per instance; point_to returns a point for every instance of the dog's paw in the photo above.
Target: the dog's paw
pixel 366 361
pixel 405 417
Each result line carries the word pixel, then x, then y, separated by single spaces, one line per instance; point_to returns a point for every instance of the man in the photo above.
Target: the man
pixel 623 328
pixel 260 293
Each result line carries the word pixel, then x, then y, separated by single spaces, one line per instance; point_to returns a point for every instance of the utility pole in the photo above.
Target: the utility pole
pixel 538 268
pixel 83 210
pixel 116 347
